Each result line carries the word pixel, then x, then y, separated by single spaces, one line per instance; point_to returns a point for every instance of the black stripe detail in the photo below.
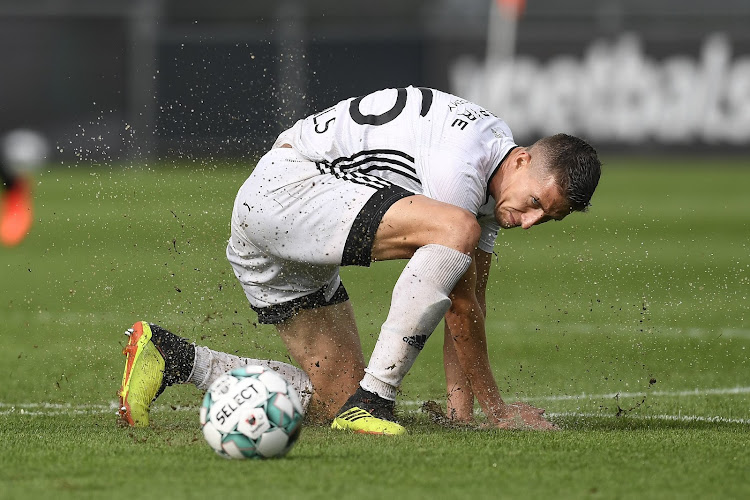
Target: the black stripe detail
pixel 370 183
pixel 365 161
pixel 358 248
pixel 426 100
pixel 355 177
pixel 366 180
pixel 279 313
pixel 351 168
pixel 497 167
pixel 391 169
pixel 379 163
pixel 374 152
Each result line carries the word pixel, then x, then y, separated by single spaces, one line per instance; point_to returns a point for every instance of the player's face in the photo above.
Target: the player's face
pixel 528 198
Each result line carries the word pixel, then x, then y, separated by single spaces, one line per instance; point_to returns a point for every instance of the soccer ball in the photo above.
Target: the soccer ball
pixel 251 412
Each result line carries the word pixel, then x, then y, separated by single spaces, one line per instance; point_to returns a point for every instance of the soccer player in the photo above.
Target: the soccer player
pixel 409 173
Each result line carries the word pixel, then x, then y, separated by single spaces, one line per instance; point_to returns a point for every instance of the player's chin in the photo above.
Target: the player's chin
pixel 505 219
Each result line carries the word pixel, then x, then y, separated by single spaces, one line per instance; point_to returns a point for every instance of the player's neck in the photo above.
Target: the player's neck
pixel 511 163
pixel 493 188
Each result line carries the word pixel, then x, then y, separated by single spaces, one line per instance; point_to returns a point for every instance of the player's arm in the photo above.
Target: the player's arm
pixel 465 327
pixel 468 370
pixel 460 396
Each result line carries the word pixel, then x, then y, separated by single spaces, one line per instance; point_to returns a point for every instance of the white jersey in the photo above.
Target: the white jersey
pixel 423 140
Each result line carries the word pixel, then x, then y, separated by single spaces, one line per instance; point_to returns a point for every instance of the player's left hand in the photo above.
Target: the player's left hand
pixel 523 416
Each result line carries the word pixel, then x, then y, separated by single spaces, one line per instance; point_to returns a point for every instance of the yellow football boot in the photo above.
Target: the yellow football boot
pixel 367 413
pixel 144 372
pixel 155 359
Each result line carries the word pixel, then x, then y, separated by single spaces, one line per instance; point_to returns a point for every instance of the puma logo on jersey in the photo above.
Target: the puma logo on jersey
pixel 416 341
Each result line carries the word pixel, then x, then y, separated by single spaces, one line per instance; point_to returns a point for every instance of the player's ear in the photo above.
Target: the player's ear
pixel 522 158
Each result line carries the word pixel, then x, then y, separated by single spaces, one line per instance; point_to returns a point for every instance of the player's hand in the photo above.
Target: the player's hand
pixel 523 416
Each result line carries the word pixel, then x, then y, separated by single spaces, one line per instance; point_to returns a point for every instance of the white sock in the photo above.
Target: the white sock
pixel 210 365
pixel 419 302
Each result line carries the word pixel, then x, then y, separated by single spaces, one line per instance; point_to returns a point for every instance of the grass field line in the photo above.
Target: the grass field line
pixel 51 409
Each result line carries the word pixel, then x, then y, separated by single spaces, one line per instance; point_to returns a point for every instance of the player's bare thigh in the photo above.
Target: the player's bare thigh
pixel 415 221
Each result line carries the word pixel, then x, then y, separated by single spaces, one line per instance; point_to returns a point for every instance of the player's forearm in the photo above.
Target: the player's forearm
pixel 460 397
pixel 470 341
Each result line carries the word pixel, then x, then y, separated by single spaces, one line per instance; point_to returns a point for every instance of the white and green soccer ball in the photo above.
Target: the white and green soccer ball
pixel 251 412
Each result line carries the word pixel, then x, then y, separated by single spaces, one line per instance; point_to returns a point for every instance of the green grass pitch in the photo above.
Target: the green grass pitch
pixel 629 324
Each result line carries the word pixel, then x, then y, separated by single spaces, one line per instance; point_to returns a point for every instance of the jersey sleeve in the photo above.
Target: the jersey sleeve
pixel 490 228
pixel 452 180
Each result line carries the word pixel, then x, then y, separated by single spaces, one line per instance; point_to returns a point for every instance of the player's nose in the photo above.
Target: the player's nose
pixel 532 218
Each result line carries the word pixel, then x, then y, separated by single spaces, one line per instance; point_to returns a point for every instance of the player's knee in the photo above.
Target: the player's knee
pixel 461 231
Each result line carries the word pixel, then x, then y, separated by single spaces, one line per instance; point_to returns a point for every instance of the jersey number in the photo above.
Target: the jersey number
pixel 322 124
pixel 325 124
pixel 392 113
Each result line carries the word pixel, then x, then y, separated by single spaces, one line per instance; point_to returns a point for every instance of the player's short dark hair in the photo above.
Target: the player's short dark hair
pixel 575 165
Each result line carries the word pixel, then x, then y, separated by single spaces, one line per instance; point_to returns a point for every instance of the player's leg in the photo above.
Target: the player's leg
pixel 416 221
pixel 286 255
pixel 325 342
pixel 210 365
pixel 157 358
pixel 438 239
pixel 293 224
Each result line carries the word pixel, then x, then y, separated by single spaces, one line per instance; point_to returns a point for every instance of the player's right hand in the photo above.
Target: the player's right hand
pixel 523 416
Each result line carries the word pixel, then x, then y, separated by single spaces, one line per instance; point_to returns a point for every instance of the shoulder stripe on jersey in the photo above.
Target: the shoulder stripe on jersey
pixel 391 169
pixel 353 176
pixel 355 168
pixel 373 152
pixel 377 159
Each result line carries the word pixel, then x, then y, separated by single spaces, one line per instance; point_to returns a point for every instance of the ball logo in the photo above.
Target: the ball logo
pixel 248 391
pixel 255 424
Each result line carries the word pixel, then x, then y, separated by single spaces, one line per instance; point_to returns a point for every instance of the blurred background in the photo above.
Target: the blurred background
pixel 131 80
